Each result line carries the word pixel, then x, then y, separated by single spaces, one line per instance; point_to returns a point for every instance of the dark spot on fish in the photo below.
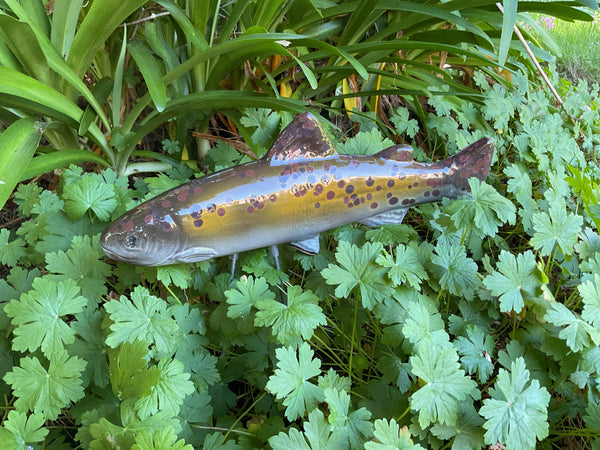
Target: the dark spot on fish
pixel 196 214
pixel 410 186
pixel 249 173
pixel 212 208
pixel 391 183
pixel 330 195
pixel 378 188
pixel 261 178
pixel 317 205
pixel 353 197
pixel 388 195
pixel 370 181
pixel 221 212
pixel 393 200
pixel 242 175
pixel 183 195
pixel 350 205
pixel 362 199
pixel 127 226
pixel 318 189
pixel 261 205
pixel 341 184
pixel 357 202
pixel 416 183
pixel 197 190
pixel 165 203
pixel 250 209
pixel 373 205
pixel 435 193
pixel 405 201
pixel 349 189
pixel 272 198
pixel 369 196
pixel 198 223
pixel 426 194
pixel 166 226
pixel 411 201
pixel 149 219
pixel 346 200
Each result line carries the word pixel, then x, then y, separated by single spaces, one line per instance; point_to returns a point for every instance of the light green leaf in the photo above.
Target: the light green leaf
pixel 26 429
pixel 590 293
pixel 164 439
pixel 248 293
pixel 10 250
pixel 445 385
pixel 516 414
pixel 390 436
pixel 406 268
pixel 47 391
pixel 88 193
pixel 38 314
pixel 556 228
pixel 577 333
pixel 356 269
pixel 457 273
pixel 292 322
pixel 175 274
pixel 144 318
pixel 485 211
pixel 514 279
pixel 291 380
pixel 168 393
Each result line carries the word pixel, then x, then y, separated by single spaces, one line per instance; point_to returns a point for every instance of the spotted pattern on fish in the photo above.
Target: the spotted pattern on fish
pixel 301 188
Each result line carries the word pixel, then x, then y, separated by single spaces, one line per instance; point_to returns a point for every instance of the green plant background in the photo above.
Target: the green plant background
pixel 475 322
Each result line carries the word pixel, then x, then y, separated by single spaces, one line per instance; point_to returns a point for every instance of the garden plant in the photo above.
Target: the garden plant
pixel 475 323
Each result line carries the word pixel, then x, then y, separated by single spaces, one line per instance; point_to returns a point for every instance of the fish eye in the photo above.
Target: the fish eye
pixel 132 241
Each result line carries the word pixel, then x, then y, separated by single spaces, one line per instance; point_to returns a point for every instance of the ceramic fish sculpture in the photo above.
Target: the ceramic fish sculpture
pixel 301 188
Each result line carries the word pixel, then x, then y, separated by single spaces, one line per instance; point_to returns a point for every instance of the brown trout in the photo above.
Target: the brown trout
pixel 301 188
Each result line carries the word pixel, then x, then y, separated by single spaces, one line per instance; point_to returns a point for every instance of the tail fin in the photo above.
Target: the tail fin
pixel 472 161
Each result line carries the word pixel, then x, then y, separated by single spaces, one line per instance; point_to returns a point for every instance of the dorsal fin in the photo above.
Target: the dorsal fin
pixel 304 138
pixel 401 153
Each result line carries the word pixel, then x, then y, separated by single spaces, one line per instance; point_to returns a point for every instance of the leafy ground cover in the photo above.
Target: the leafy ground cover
pixel 474 323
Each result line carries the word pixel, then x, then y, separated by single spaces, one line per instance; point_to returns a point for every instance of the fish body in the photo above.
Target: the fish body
pixel 301 188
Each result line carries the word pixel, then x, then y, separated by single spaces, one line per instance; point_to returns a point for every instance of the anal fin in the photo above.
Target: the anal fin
pixel 310 246
pixel 393 216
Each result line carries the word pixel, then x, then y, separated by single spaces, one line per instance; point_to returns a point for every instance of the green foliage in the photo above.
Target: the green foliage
pixel 516 412
pixel 474 323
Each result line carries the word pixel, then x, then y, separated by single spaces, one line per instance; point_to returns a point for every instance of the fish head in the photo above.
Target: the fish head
pixel 149 236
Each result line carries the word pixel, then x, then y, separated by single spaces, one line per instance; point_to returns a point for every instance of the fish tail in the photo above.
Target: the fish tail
pixel 472 161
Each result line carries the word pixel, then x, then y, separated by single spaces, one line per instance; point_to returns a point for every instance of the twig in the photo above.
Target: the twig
pixel 534 60
pixel 147 18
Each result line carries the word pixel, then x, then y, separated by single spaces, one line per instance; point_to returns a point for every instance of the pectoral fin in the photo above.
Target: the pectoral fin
pixel 310 246
pixel 393 216
pixel 196 254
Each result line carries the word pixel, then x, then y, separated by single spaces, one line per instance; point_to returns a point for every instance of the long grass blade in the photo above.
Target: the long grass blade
pixel 64 23
pixel 509 8
pixel 151 72
pixel 17 145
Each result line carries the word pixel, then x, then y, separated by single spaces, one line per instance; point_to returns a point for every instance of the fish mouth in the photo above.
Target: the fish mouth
pixel 138 259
